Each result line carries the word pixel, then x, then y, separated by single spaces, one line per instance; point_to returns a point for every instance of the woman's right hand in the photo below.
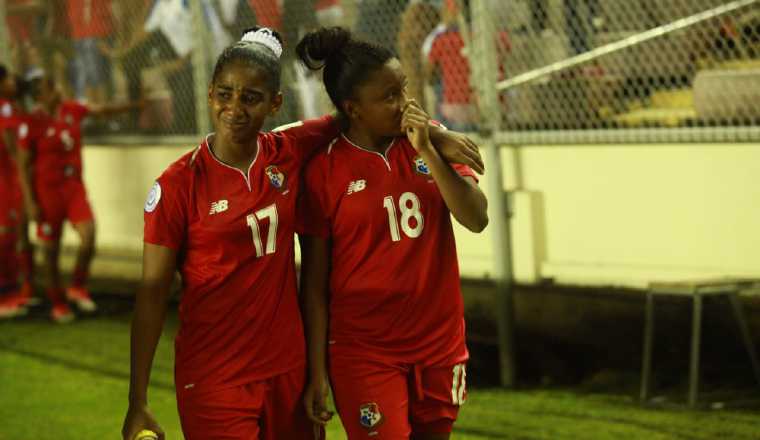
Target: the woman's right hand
pixel 315 401
pixel 137 419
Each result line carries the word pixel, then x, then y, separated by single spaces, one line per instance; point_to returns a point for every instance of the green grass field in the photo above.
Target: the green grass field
pixel 70 382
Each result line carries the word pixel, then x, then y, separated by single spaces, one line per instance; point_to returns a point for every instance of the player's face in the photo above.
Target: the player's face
pixel 379 101
pixel 8 86
pixel 240 101
pixel 50 96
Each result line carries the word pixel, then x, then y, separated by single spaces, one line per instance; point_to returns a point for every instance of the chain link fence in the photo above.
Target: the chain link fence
pixel 700 81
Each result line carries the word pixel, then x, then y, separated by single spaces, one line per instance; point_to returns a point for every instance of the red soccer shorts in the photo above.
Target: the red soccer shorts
pixel 61 203
pixel 390 401
pixel 270 409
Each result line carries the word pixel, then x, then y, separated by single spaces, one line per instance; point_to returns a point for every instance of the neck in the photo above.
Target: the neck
pixel 368 141
pixel 239 155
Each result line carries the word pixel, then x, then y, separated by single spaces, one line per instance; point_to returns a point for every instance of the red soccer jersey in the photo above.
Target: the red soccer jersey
pixel 89 18
pixel 239 314
pixel 394 281
pixel 9 120
pixel 56 144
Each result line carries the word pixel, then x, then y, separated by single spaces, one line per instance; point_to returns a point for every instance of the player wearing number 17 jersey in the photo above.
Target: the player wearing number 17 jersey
pixel 379 201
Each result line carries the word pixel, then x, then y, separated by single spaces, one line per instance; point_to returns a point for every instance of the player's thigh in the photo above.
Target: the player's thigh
pixel 227 414
pixel 372 398
pixel 444 389
pixel 78 209
pixel 284 415
pixel 53 205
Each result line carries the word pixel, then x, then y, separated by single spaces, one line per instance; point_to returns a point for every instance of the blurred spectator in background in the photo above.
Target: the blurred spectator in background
pixel 55 46
pixel 417 22
pixel 583 18
pixel 378 21
pixel 24 18
pixel 157 57
pixel 329 13
pixel 91 29
pixel 237 15
pixel 447 63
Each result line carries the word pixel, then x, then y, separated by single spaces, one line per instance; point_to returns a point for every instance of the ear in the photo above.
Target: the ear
pixel 276 104
pixel 210 93
pixel 351 109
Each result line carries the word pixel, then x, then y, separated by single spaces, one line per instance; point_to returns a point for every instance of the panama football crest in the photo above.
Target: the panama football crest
pixel 369 415
pixel 420 166
pixel 276 177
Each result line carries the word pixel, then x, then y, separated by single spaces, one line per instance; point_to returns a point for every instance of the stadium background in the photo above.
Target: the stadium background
pixel 636 165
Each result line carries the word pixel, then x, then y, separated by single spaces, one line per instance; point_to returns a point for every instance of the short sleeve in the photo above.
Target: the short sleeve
pixel 465 171
pixel 8 117
pixel 166 214
pixel 310 135
pixel 24 136
pixel 312 211
pixel 78 111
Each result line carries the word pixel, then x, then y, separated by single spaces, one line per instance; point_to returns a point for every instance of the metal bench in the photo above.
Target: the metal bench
pixel 731 288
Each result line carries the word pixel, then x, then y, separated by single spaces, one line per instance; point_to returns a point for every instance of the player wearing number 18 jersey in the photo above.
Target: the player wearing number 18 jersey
pixel 379 202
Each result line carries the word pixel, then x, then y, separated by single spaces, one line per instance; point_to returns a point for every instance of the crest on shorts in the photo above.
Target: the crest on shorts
pixel 370 415
pixel 276 177
pixel 153 198
pixel 420 166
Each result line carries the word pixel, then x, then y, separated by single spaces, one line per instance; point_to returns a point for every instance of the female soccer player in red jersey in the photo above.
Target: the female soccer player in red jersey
pixel 382 261
pixel 14 242
pixel 50 171
pixel 224 216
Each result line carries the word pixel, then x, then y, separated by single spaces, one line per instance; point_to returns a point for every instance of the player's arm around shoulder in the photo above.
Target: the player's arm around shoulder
pixel 458 187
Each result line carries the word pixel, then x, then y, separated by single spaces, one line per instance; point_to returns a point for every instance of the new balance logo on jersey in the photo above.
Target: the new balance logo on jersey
pixel 217 207
pixel 356 186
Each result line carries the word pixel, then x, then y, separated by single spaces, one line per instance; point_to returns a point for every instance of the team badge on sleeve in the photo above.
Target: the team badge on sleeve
pixel 369 415
pixel 23 131
pixel 6 111
pixel 276 177
pixel 154 196
pixel 420 166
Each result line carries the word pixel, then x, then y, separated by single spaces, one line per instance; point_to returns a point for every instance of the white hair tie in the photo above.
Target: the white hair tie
pixel 266 37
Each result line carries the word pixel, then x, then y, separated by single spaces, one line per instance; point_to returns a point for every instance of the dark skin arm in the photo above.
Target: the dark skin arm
pixel 159 265
pixel 463 197
pixel 315 257
pixel 456 147
pixel 24 165
pixel 106 110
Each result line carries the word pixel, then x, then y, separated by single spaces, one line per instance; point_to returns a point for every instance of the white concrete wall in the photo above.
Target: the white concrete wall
pixel 589 215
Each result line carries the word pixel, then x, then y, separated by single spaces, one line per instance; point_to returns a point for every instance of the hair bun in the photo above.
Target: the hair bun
pixel 266 37
pixel 318 46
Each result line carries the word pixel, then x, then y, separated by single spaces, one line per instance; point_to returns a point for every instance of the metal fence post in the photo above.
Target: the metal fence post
pixel 201 66
pixel 483 61
pixel 5 49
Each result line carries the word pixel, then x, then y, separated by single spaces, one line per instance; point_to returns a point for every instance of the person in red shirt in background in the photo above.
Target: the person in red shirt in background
pixel 50 170
pixel 15 250
pixel 444 56
pixel 224 216
pixel 380 265
pixel 91 25
pixel 22 19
